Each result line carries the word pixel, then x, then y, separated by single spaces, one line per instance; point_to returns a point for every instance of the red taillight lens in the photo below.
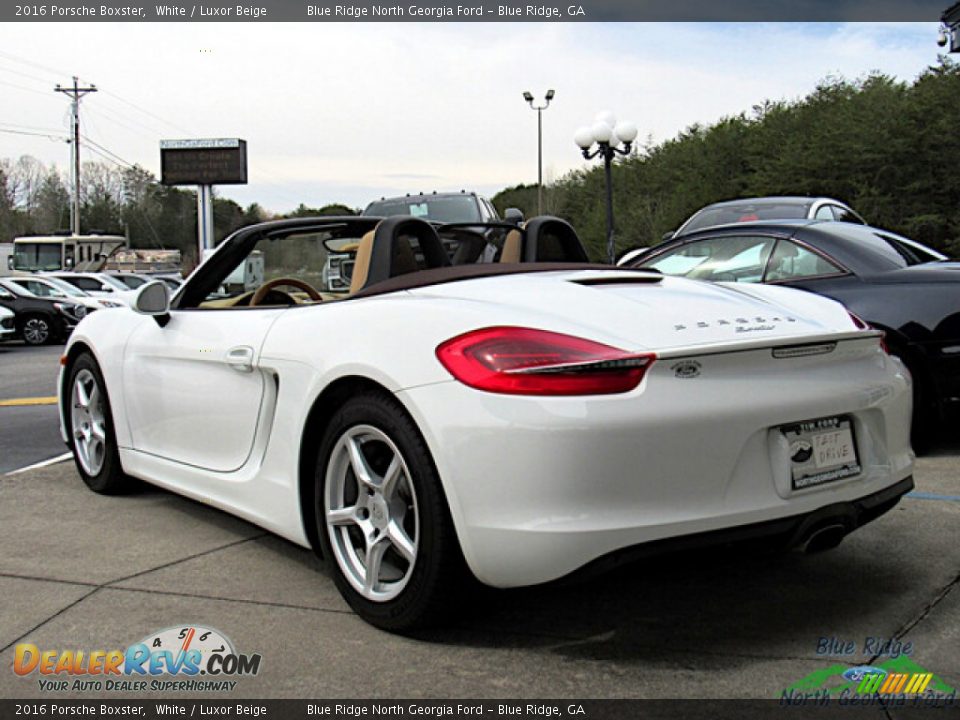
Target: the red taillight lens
pixel 860 324
pixel 863 325
pixel 523 361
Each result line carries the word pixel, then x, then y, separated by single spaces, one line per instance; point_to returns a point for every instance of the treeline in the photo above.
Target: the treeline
pixel 35 199
pixel 889 149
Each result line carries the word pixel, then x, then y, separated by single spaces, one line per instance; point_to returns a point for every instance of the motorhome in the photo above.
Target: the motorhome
pixel 50 253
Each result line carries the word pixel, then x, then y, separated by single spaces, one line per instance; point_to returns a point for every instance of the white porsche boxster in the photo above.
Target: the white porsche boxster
pixel 513 421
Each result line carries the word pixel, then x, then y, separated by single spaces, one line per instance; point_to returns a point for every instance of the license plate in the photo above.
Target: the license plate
pixel 821 451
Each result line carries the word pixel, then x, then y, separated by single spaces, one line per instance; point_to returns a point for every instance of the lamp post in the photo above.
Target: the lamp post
pixel 607 134
pixel 539 108
pixel 949 35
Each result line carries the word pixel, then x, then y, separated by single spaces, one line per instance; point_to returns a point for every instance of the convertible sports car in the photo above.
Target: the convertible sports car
pixel 512 421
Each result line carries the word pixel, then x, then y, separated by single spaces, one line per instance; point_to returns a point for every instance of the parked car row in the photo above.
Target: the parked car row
pixel 45 307
pixel 909 291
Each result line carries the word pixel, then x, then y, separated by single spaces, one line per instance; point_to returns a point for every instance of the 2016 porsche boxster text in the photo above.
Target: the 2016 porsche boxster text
pixel 516 419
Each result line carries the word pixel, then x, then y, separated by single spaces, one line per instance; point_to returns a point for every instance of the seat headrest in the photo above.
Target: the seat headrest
pixel 393 250
pixel 550 239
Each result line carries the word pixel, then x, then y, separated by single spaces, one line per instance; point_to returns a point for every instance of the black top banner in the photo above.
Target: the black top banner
pixel 476 11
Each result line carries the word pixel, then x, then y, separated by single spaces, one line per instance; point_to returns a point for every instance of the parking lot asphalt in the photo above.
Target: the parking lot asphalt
pixel 82 571
pixel 28 420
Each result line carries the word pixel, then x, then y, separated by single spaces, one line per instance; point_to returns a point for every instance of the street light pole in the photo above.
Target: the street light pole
pixel 607 134
pixel 539 108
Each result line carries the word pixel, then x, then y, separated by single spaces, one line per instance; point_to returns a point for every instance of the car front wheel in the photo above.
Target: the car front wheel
pixel 382 517
pixel 90 429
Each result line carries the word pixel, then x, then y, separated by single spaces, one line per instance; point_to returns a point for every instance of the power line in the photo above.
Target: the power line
pixel 23 74
pixel 58 138
pixel 147 112
pixel 30 127
pixel 25 89
pixel 117 159
pixel 109 118
pixel 89 148
pixel 24 61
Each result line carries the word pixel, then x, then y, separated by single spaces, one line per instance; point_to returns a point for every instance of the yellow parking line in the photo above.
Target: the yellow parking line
pixel 21 402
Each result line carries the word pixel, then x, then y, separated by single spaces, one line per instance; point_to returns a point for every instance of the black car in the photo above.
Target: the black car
pixel 887 280
pixel 40 321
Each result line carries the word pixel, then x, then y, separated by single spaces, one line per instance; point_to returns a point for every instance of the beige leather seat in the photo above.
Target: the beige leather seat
pixel 404 260
pixel 361 265
pixel 512 247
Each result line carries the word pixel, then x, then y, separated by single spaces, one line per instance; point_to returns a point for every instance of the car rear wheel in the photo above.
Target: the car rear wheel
pixel 89 426
pixel 36 330
pixel 382 517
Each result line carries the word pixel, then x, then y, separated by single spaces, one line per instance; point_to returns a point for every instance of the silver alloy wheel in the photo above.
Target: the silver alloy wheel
pixel 88 422
pixel 370 507
pixel 36 331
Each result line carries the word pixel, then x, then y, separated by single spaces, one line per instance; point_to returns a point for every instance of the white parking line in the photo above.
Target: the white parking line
pixel 42 463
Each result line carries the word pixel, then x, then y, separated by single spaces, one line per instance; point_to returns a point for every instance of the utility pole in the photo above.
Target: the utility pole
pixel 75 93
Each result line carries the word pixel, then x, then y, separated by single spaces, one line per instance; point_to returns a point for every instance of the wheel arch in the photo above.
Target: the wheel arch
pixel 917 363
pixel 76 349
pixel 324 406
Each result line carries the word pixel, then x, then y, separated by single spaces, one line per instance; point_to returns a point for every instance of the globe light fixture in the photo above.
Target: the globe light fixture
pixel 611 138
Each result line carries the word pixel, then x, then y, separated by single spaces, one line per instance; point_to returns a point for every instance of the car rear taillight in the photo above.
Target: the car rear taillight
pixel 863 325
pixel 860 324
pixel 524 361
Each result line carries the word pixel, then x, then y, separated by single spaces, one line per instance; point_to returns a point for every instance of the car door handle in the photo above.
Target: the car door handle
pixel 240 358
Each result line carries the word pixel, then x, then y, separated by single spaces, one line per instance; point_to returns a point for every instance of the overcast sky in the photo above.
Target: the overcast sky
pixel 350 112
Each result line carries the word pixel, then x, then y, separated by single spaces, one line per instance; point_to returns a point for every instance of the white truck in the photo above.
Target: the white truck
pixel 244 278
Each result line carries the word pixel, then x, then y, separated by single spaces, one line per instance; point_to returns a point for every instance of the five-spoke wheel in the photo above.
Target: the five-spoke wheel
pixel 382 517
pixel 371 511
pixel 88 422
pixel 90 427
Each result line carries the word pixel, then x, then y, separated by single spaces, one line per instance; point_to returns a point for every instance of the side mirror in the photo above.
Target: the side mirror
pixel 514 216
pixel 68 262
pixel 154 299
pixel 10 263
pixel 667 236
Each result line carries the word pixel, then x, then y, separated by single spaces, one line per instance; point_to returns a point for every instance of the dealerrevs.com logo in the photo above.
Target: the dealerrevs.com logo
pixel 186 658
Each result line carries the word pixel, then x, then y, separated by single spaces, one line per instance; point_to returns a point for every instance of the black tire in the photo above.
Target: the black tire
pixel 37 329
pixel 438 575
pixel 110 479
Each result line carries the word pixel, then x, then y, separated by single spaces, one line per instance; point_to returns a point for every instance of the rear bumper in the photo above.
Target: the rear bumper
pixel 789 532
pixel 540 487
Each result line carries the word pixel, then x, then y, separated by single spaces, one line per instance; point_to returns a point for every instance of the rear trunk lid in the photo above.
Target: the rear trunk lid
pixel 647 311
